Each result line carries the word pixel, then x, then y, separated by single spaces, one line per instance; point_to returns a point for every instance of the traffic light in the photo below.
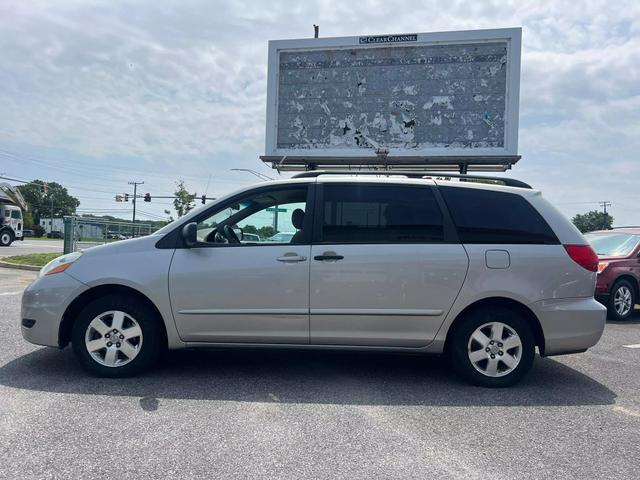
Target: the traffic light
pixel 126 197
pixel 44 187
pixel 204 199
pixel 118 198
pixel 147 197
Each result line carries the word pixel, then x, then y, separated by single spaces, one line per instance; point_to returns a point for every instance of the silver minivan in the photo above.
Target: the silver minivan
pixel 481 272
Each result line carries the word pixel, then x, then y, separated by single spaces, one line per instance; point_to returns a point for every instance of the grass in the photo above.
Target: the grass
pixel 35 259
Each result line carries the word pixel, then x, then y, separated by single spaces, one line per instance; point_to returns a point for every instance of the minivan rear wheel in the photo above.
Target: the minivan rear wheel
pixel 116 336
pixel 492 347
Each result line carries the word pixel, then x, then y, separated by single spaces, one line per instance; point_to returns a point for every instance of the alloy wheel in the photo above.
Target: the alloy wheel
pixel 494 349
pixel 623 300
pixel 113 338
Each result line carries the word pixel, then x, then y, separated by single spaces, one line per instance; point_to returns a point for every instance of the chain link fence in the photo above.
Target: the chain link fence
pixel 81 233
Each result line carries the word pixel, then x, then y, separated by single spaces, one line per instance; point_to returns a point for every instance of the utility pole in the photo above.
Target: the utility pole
pixel 604 206
pixel 51 229
pixel 135 191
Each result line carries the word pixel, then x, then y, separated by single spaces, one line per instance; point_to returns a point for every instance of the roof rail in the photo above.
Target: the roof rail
pixel 509 182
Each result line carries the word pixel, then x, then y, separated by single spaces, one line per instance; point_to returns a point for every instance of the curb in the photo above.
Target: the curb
pixel 32 268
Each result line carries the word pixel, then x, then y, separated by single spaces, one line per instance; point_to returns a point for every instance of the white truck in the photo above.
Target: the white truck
pixel 11 206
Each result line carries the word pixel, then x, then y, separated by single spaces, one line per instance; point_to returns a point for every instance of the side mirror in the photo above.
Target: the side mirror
pixel 190 234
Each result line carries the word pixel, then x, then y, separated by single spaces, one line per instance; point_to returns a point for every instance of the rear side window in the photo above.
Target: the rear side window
pixel 484 216
pixel 361 213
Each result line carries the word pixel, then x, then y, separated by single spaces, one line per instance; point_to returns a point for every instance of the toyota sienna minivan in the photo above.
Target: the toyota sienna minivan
pixel 481 272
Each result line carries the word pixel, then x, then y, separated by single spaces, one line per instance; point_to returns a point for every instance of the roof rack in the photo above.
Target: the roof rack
pixel 509 182
pixel 383 161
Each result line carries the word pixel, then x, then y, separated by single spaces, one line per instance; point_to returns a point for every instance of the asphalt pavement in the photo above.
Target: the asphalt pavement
pixel 268 414
pixel 23 247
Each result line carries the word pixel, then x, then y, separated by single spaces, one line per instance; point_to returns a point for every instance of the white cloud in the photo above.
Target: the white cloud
pixel 184 82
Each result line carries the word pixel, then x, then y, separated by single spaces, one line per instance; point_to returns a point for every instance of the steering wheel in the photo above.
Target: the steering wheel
pixel 230 234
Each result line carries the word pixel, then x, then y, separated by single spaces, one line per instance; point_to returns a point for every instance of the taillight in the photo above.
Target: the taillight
pixel 583 255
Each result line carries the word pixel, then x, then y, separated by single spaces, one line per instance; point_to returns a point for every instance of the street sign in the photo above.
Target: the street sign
pixel 276 210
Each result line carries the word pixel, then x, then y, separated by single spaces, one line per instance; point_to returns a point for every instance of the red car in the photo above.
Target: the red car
pixel 618 285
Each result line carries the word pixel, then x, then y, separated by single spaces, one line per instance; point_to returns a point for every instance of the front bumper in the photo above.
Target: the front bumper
pixel 43 305
pixel 570 325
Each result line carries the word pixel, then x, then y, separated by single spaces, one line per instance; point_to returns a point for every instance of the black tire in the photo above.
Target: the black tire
pixel 459 342
pixel 6 238
pixel 153 342
pixel 611 308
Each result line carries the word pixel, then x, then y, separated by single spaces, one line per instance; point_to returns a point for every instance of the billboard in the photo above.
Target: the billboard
pixel 448 94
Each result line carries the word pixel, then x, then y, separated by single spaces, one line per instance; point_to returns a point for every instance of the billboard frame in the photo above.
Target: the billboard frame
pixel 506 155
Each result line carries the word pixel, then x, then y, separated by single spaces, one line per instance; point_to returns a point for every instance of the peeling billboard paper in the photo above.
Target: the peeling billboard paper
pixel 438 94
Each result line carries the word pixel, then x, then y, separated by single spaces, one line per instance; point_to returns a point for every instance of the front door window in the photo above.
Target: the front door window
pixel 272 217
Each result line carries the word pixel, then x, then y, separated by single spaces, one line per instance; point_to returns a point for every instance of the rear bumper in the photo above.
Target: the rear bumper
pixel 570 325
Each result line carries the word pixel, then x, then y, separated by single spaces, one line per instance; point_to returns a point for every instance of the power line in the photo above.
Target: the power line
pixel 85 210
pixel 604 205
pixel 82 172
pixel 67 186
pixel 152 215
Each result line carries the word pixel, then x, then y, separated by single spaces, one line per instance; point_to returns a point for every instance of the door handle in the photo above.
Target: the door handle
pixel 291 257
pixel 328 256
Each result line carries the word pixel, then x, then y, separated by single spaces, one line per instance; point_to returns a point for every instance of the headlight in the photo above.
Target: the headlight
pixel 602 266
pixel 59 264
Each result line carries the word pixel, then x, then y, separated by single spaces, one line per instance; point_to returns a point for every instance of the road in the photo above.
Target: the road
pixel 314 414
pixel 24 247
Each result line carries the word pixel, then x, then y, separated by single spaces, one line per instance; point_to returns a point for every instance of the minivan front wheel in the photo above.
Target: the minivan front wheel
pixel 493 347
pixel 116 336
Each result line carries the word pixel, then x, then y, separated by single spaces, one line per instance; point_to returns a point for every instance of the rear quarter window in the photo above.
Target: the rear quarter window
pixel 485 216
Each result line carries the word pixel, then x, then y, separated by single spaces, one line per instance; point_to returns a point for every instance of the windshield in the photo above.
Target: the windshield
pixel 613 244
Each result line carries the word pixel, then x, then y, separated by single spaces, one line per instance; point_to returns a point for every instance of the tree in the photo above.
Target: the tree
pixel 38 230
pixel 250 229
pixel 27 219
pixel 593 220
pixel 40 203
pixel 266 232
pixel 168 214
pixel 183 202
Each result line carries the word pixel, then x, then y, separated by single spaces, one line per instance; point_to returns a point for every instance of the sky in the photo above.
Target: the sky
pixel 96 94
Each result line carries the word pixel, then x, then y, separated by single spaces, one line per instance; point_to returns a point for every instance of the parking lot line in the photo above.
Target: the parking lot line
pixel 626 411
pixel 635 345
